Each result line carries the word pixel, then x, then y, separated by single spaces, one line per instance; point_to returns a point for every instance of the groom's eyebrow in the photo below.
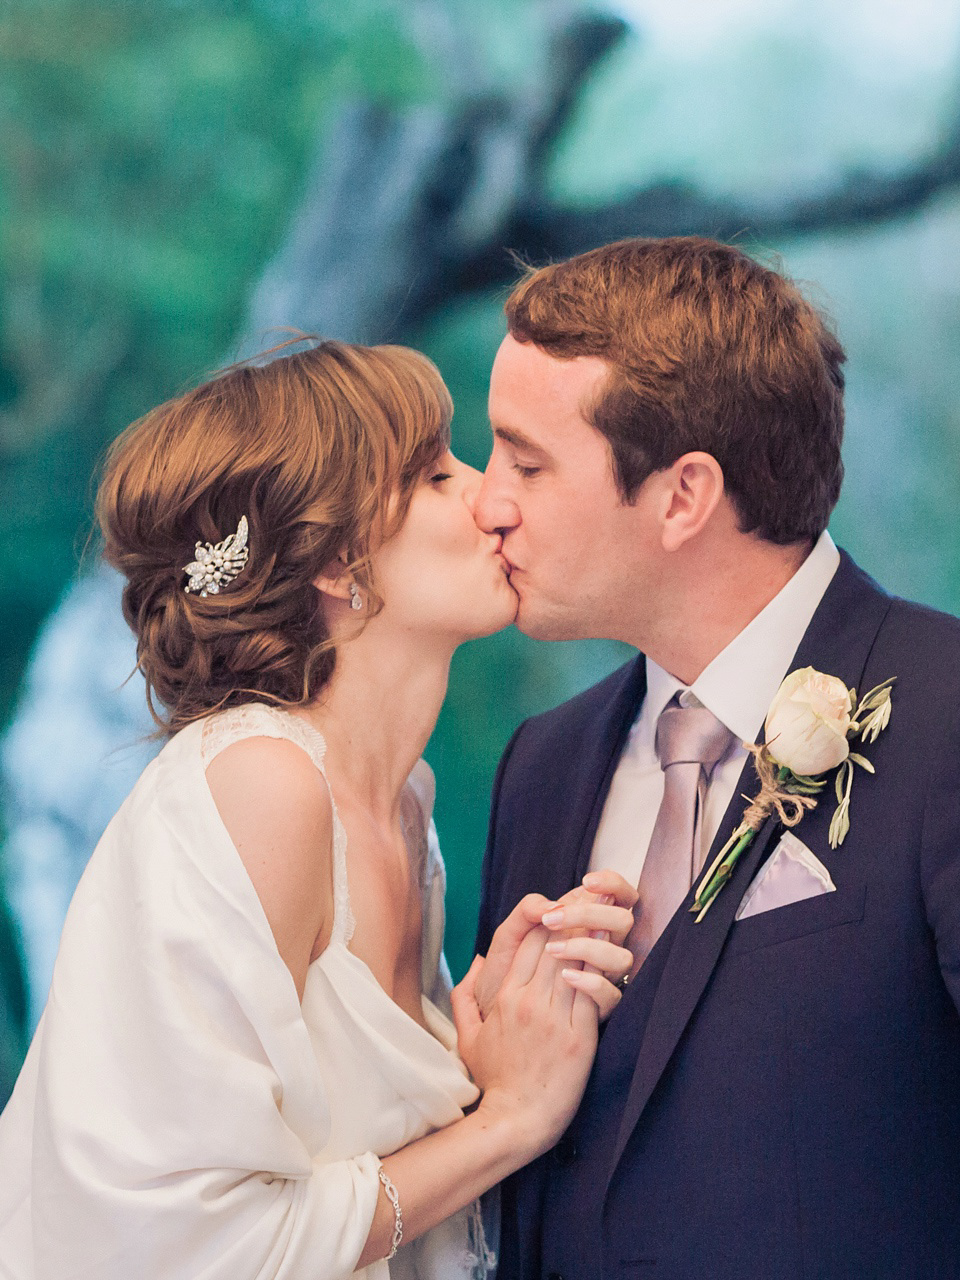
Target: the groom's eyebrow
pixel 517 440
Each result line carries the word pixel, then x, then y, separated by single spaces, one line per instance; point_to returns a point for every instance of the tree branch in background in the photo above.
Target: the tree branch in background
pixel 408 210
pixel 859 199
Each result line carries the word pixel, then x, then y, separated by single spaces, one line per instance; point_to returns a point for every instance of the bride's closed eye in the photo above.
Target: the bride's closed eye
pixel 439 477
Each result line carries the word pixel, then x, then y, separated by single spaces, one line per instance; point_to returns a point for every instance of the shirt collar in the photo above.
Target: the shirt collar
pixel 741 681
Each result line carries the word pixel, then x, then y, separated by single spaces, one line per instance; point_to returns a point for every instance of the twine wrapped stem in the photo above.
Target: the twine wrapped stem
pixel 778 794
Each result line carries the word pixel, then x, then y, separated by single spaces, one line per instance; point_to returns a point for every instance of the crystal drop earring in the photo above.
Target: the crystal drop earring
pixel 356 599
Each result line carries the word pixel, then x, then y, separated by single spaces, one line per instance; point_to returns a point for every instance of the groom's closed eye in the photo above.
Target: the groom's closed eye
pixel 526 458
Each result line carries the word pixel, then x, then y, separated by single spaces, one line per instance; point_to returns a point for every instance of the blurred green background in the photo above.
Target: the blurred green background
pixel 168 168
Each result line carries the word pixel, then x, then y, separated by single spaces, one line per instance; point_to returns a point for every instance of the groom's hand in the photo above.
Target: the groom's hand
pixel 585 928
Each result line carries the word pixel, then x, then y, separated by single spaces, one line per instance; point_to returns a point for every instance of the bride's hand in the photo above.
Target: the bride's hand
pixel 597 916
pixel 532 1054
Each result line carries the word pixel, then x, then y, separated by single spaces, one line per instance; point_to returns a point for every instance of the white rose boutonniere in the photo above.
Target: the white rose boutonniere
pixel 808 721
pixel 808 731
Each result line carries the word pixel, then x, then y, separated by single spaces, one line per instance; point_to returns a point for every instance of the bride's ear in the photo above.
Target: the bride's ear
pixel 336 579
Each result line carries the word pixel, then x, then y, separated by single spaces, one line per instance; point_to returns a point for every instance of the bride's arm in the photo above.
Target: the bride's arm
pixel 531 1057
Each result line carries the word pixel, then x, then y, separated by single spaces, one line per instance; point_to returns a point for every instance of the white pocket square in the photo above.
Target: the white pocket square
pixel 790 874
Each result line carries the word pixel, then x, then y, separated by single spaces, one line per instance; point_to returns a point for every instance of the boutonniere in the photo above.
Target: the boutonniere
pixel 808 730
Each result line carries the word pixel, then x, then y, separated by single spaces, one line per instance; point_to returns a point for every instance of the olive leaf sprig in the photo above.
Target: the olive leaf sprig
pixel 869 720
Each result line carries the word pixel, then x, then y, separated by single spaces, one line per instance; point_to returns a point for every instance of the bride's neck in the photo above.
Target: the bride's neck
pixel 377 713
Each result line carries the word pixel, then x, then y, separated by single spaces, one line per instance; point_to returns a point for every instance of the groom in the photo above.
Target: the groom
pixel 777 1096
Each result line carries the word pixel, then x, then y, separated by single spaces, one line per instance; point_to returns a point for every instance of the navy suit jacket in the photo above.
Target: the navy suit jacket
pixel 776 1098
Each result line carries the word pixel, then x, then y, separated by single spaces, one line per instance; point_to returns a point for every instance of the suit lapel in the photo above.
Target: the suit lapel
pixel 838 642
pixel 693 953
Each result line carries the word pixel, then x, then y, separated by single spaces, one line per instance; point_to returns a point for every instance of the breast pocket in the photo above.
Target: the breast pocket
pixel 813 915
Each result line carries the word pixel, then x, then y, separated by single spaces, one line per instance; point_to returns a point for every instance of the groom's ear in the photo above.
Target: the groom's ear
pixel 692 490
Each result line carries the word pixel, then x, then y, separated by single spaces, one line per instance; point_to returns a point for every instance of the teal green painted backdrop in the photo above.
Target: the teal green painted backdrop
pixel 154 153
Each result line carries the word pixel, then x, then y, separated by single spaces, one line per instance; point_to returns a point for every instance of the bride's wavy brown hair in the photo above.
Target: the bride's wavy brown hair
pixel 321 450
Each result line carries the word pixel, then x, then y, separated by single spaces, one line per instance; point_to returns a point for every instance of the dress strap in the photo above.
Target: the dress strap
pixel 259 720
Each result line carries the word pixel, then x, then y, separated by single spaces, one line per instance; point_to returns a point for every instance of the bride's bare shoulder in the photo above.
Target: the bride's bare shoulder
pixel 277 810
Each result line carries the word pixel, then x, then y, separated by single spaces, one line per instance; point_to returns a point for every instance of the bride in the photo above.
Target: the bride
pixel 244 1068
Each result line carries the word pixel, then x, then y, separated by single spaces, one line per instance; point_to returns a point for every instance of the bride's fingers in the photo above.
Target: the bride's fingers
pixel 602 886
pixel 602 992
pixel 611 883
pixel 593 916
pixel 607 957
pixel 531 907
pixel 580 894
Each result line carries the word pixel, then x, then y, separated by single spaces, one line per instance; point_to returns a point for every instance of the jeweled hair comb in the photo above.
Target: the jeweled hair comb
pixel 218 564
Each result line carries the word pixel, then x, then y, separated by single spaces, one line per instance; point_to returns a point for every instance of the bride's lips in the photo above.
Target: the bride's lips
pixel 505 564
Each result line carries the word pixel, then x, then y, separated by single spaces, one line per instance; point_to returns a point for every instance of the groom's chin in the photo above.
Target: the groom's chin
pixel 542 623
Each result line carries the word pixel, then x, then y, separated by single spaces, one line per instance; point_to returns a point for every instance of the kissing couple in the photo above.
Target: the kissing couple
pixel 712 1028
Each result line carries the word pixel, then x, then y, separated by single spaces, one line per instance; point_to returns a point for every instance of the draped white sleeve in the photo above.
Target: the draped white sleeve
pixel 181 1115
pixel 177 1100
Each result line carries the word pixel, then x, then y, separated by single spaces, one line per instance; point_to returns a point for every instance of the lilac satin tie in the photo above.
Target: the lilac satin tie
pixel 690 743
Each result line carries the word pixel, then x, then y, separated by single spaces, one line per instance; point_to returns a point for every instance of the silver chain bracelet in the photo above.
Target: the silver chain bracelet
pixel 394 1197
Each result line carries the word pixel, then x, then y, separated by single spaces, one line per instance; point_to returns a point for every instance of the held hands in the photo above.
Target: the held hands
pixel 532 1054
pixel 527 1015
pixel 584 930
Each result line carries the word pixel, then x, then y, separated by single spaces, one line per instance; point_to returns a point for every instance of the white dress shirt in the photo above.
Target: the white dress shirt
pixel 738 687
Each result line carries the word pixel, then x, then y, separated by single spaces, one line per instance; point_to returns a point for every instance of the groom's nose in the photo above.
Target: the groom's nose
pixel 471 487
pixel 495 511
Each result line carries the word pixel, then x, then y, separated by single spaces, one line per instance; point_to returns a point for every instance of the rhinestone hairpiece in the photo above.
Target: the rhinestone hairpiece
pixel 217 565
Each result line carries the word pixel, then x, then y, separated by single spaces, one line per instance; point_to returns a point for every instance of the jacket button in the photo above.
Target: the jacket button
pixel 554 1275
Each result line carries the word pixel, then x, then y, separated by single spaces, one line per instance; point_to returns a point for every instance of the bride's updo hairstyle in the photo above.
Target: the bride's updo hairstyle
pixel 321 450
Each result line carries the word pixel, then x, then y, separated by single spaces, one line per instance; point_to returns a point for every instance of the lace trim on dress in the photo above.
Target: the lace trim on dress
pixel 480 1259
pixel 258 720
pixel 413 827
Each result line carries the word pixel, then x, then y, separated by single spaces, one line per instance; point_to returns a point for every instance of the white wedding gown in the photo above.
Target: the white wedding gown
pixel 181 1115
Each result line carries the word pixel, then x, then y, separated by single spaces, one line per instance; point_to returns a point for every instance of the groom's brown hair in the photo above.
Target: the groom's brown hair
pixel 708 350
